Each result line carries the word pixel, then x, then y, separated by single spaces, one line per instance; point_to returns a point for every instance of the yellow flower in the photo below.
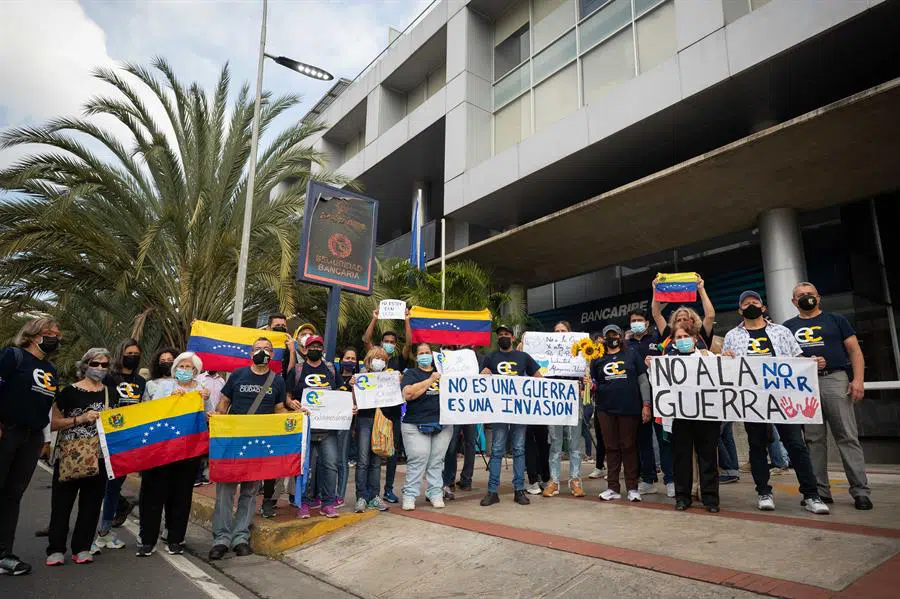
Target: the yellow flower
pixel 575 349
pixel 590 352
pixel 600 349
pixel 585 343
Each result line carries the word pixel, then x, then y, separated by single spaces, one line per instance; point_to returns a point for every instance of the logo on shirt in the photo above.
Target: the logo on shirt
pixel 128 391
pixel 755 346
pixel 808 336
pixel 434 388
pixel 44 381
pixel 508 368
pixel 613 370
pixel 316 380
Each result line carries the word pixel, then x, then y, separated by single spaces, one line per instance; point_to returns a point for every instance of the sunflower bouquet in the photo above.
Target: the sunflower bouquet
pixel 588 350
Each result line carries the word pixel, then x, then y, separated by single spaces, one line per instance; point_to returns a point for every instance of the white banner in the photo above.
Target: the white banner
pixel 777 390
pixel 330 410
pixel 553 353
pixel 377 390
pixel 391 309
pixel 509 399
pixel 463 361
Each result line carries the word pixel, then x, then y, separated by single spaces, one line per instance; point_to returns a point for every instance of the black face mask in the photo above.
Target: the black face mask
pixel 612 342
pixel 504 343
pixel 280 329
pixel 131 362
pixel 807 302
pixel 165 366
pixel 260 357
pixel 314 354
pixel 48 345
pixel 751 312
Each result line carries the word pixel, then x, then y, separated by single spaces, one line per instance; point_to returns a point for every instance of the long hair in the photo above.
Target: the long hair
pixel 82 365
pixel 115 366
pixel 32 330
pixel 155 371
pixel 696 321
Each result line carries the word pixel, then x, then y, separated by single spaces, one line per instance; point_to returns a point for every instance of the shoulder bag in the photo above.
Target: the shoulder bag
pixel 80 457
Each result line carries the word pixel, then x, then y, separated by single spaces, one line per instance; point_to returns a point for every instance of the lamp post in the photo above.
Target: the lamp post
pixel 303 69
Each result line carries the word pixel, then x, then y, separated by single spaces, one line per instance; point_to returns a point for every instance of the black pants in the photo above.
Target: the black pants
pixel 269 490
pixel 601 447
pixel 792 439
pixel 537 453
pixel 170 487
pixel 468 434
pixel 703 437
pixel 20 449
pixel 89 492
pixel 390 471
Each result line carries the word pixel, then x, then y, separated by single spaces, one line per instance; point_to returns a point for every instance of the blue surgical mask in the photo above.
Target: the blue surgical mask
pixel 424 360
pixel 388 347
pixel 638 327
pixel 184 376
pixel 684 345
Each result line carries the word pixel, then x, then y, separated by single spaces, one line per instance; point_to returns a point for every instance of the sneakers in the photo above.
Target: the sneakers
pixel 409 503
pixel 361 506
pixel 315 503
pixel 745 467
pixel 108 541
pixel 390 497
pixel 533 489
pixel 670 489
pixel 376 504
pixel 437 502
pixel 682 505
pixel 776 471
pixel 490 499
pixel 862 503
pixel 268 509
pixel 339 503
pixel 634 495
pixel 816 506
pixel 83 557
pixel 448 493
pixel 175 548
pixel 521 498
pixel 646 488
pixel 304 511
pixel 461 486
pixel 329 511
pixel 552 489
pixel 726 479
pixel 609 495
pixel 56 559
pixel 147 551
pixel 576 488
pixel 597 473
pixel 766 503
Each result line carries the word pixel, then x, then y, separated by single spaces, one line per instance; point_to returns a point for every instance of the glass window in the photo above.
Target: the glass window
pixel 735 9
pixel 556 97
pixel 550 19
pixel 512 85
pixel 608 65
pixel 656 37
pixel 512 123
pixel 586 7
pixel 642 6
pixel 604 23
pixel 561 52
pixel 511 52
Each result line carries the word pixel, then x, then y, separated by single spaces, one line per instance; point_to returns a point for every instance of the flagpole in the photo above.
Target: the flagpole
pixel 443 263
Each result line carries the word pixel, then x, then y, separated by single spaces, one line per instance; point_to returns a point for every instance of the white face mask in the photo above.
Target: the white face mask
pixel 378 364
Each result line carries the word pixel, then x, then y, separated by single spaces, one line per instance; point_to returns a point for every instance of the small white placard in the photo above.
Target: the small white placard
pixel 391 309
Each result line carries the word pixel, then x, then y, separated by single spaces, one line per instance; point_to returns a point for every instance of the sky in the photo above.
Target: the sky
pixel 48 48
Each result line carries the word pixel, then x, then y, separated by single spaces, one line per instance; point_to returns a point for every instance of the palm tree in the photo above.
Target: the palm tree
pixel 140 234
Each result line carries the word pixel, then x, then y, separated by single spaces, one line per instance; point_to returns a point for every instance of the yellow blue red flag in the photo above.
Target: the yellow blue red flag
pixel 450 327
pixel 676 287
pixel 255 447
pixel 225 348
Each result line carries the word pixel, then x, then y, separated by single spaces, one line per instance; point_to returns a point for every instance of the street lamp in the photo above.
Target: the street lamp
pixel 303 69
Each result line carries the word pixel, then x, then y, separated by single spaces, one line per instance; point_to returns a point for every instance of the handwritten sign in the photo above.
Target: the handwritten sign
pixel 328 410
pixel 777 390
pixel 391 309
pixel 509 399
pixel 377 390
pixel 463 361
pixel 553 353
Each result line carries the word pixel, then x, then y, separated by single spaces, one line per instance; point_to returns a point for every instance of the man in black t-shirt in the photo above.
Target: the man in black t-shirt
pixel 507 362
pixel 830 339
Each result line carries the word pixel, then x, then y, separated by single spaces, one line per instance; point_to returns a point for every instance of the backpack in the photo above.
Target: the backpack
pixel 382 435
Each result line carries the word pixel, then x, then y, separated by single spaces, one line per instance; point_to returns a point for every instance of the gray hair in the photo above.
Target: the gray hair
pixel 89 356
pixel 191 357
pixel 802 284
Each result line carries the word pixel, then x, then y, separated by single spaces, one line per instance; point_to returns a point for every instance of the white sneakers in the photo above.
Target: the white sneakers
pixel 635 495
pixel 670 489
pixel 437 502
pixel 816 506
pixel 646 488
pixel 534 489
pixel 409 503
pixel 766 503
pixel 609 495
pixel 597 473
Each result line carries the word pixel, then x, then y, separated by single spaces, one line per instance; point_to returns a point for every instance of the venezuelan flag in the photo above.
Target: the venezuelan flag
pixel 676 287
pixel 255 447
pixel 154 433
pixel 226 348
pixel 451 327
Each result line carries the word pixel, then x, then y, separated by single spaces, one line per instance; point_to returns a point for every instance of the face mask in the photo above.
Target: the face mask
pixel 348 365
pixel 48 344
pixel 165 366
pixel 504 343
pixel 95 373
pixel 424 360
pixel 684 345
pixel 378 364
pixel 751 312
pixel 314 354
pixel 612 341
pixel 280 329
pixel 131 362
pixel 260 357
pixel 638 327
pixel 184 376
pixel 807 302
pixel 388 347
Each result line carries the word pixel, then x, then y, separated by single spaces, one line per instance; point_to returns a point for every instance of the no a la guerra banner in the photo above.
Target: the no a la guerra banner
pixel 508 399
pixel 776 390
pixel 377 390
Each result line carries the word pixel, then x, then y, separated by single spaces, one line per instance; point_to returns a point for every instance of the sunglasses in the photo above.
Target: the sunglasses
pixel 96 364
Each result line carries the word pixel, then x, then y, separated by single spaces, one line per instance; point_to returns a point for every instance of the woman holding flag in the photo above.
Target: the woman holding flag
pixel 694 289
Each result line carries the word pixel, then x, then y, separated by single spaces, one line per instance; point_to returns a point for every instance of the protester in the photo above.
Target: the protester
pixel 26 396
pixel 509 362
pixel 599 470
pixel 252 386
pixel 689 436
pixel 572 436
pixel 75 414
pixel 368 464
pixel 623 400
pixel 702 327
pixel 349 367
pixel 278 323
pixel 830 339
pixel 537 457
pixel 755 337
pixel 160 372
pixel 425 439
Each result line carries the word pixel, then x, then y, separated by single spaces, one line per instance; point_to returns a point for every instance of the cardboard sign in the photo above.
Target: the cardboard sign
pixel 377 390
pixel 463 361
pixel 329 410
pixel 391 309
pixel 763 389
pixel 553 353
pixel 509 399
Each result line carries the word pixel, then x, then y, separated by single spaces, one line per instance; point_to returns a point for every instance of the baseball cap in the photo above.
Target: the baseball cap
pixel 502 327
pixel 747 294
pixel 314 339
pixel 612 328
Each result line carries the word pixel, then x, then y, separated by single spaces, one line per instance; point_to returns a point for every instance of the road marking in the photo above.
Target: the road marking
pixel 45 467
pixel 193 573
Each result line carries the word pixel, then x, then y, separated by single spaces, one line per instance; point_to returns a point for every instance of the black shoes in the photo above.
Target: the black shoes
pixel 712 509
pixel 144 550
pixel 175 548
pixel 217 552
pixel 242 550
pixel 827 499
pixel 11 565
pixel 862 503
pixel 681 505
pixel 522 498
pixel 462 487
pixel 268 509
pixel 491 499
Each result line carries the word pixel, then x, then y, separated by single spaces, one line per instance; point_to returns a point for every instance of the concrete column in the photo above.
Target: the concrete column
pixel 783 262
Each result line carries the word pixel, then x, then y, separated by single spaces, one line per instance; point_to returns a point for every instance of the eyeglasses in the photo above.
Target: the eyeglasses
pixel 96 364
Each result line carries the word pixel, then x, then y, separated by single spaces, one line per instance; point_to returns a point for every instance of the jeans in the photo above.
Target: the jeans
pixel 424 458
pixel 390 472
pixel 343 442
pixel 700 436
pixel 571 434
pixel 170 487
pixel 728 458
pixel 646 456
pixel 368 465
pixel 19 452
pixel 323 466
pixel 465 478
pixel 110 504
pixel 537 453
pixel 500 433
pixel 777 452
pixel 230 527
pixel 792 437
pixel 89 493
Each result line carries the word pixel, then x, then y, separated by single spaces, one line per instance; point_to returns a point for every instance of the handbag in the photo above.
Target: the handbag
pixel 382 435
pixel 80 457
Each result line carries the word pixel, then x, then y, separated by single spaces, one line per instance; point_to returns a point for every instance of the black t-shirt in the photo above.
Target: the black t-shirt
pixel 759 343
pixel 616 376
pixel 648 345
pixel 128 388
pixel 314 377
pixel 28 389
pixel 243 386
pixel 426 408
pixel 823 335
pixel 512 363
pixel 73 401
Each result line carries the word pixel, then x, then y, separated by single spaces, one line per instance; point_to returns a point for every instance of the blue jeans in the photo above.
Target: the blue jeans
pixel 777 453
pixel 645 453
pixel 323 465
pixel 230 527
pixel 424 458
pixel 368 465
pixel 110 504
pixel 728 457
pixel 343 442
pixel 572 434
pixel 515 433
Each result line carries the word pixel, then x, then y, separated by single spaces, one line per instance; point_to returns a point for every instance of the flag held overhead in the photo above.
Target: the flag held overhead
pixel 450 327
pixel 226 348
pixel 676 287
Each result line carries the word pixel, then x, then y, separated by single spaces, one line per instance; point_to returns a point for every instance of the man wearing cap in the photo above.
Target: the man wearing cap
pixel 756 337
pixel 507 362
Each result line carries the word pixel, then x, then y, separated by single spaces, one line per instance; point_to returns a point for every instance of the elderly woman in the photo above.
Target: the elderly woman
pixel 74 415
pixel 170 486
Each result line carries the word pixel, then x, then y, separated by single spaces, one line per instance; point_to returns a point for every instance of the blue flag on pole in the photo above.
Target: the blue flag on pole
pixel 416 249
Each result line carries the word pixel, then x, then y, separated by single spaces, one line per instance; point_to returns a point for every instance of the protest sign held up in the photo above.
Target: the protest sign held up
pixel 509 399
pixel 764 389
pixel 331 410
pixel 391 309
pixel 553 352
pixel 463 361
pixel 377 390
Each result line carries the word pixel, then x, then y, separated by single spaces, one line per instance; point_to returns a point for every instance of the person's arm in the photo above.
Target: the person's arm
pixel 644 386
pixel 290 345
pixel 729 345
pixel 656 309
pixel 224 404
pixel 709 311
pixel 858 365
pixel 280 408
pixel 407 345
pixel 416 390
pixel 370 330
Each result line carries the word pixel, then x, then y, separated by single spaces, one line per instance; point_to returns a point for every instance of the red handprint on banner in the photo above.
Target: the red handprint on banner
pixel 789 408
pixel 811 407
